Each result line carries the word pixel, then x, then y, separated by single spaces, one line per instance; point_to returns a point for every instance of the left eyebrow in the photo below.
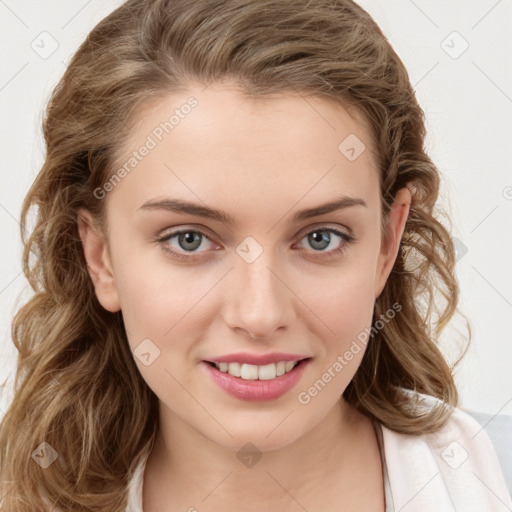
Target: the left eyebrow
pixel 338 204
pixel 199 210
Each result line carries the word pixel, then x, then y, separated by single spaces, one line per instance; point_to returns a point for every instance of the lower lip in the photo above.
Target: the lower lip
pixel 256 389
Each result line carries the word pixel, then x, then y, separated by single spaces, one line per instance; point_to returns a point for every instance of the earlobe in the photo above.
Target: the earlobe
pixel 395 227
pixel 98 261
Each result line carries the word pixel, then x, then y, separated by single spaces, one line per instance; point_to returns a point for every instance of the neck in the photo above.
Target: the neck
pixel 187 469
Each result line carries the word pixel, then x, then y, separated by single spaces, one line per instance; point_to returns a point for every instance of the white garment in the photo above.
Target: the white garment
pixel 452 470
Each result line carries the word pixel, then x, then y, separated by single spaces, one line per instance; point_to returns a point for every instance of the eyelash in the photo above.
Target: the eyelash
pixel 348 239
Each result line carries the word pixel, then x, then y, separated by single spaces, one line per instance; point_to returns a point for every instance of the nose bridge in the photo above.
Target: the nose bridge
pixel 258 302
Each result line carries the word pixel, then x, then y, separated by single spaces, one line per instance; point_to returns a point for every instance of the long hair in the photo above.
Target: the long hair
pixel 82 416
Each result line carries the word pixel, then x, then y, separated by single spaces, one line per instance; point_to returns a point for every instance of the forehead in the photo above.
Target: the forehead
pixel 216 143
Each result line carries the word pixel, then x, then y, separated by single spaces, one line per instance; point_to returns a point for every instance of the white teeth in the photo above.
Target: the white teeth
pixel 233 369
pixel 289 365
pixel 248 371
pixel 253 372
pixel 267 372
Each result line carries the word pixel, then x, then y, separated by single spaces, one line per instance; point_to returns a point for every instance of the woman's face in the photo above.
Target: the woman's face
pixel 278 277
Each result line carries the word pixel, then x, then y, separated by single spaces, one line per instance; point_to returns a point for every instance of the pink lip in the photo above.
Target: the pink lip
pixel 257 359
pixel 256 389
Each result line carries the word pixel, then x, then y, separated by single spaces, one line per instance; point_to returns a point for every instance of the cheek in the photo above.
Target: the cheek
pixel 155 305
pixel 345 302
pixel 345 308
pixel 158 314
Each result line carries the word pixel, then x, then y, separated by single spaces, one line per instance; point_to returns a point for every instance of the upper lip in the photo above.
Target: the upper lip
pixel 257 359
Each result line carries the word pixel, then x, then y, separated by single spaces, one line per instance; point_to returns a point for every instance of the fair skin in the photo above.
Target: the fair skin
pixel 260 162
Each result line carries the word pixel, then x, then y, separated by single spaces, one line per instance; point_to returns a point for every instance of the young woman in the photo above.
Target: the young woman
pixel 240 279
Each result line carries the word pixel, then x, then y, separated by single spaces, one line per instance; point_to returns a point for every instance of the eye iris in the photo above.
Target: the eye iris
pixel 189 237
pixel 317 237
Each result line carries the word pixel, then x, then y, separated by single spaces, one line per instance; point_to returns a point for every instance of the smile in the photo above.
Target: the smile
pixel 249 384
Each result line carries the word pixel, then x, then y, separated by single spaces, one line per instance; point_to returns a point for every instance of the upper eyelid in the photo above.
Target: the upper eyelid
pixel 301 234
pixel 303 231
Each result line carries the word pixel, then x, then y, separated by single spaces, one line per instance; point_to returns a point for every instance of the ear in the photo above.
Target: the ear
pixel 397 218
pixel 98 261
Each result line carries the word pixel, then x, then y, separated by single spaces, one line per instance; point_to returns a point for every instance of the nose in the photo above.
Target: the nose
pixel 257 301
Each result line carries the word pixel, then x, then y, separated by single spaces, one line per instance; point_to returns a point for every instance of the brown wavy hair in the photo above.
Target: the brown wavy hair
pixel 77 387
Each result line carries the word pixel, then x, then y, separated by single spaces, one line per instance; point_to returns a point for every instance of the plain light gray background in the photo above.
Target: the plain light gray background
pixel 459 57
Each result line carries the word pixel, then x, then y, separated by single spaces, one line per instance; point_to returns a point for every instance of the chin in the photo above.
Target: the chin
pixel 253 441
pixel 265 433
